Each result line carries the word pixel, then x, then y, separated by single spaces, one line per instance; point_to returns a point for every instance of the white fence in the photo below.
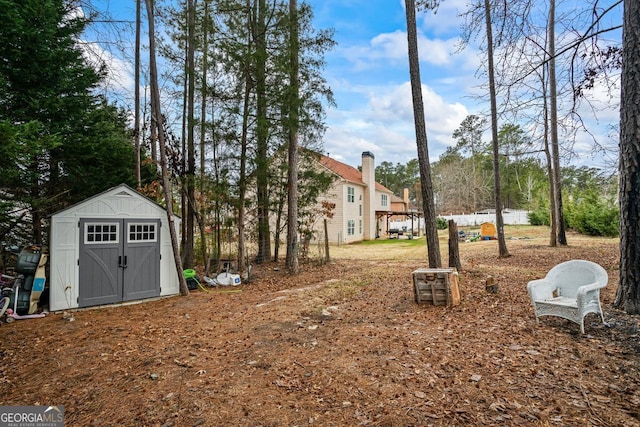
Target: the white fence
pixel 510 217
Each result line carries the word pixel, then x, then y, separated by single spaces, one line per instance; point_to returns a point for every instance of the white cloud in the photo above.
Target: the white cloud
pixel 390 50
pixel 119 78
pixel 386 126
pixel 446 20
pixel 394 46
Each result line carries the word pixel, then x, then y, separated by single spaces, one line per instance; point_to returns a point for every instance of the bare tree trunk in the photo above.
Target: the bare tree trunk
pixel 628 293
pixel 262 161
pixel 153 136
pixel 428 204
pixel 292 188
pixel 502 245
pixel 190 213
pixel 454 249
pixel 183 160
pixel 203 135
pixel 555 146
pixel 327 256
pixel 242 179
pixel 36 216
pixel 136 125
pixel 157 112
pixel 553 240
pixel 278 210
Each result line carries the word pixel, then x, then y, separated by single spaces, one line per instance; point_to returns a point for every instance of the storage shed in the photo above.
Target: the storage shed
pixel 111 248
pixel 488 231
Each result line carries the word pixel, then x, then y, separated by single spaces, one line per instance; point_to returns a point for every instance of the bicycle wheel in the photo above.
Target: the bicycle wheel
pixel 4 303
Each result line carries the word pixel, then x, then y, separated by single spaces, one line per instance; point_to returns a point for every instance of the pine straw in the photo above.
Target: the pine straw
pixel 342 344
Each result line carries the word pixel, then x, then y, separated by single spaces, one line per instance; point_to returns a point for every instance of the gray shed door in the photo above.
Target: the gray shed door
pixel 119 260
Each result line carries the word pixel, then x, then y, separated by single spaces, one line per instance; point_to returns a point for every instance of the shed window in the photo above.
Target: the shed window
pixel 142 232
pixel 100 233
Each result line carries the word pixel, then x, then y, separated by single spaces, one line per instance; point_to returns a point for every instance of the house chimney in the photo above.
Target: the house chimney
pixel 369 202
pixel 405 199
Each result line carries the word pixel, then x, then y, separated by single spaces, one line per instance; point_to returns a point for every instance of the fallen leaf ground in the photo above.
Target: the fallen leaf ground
pixel 342 344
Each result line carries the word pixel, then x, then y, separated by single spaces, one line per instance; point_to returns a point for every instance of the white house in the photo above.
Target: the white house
pixel 111 248
pixel 361 203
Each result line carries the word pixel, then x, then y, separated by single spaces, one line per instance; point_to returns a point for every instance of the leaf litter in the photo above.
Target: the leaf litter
pixel 341 344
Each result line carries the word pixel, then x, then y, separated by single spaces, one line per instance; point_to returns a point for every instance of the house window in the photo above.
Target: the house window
pixel 385 200
pixel 360 226
pixel 351 227
pixel 142 232
pixel 360 210
pixel 351 194
pixel 100 233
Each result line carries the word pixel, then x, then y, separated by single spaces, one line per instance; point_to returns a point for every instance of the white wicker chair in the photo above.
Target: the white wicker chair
pixel 570 290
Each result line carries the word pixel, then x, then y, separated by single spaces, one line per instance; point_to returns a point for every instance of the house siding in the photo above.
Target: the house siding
pixel 337 227
pixel 367 201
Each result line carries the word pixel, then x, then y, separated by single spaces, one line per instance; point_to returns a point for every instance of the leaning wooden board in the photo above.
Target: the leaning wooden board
pixel 39 282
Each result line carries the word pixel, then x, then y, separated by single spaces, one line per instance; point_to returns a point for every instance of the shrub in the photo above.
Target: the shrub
pixel 593 215
pixel 540 216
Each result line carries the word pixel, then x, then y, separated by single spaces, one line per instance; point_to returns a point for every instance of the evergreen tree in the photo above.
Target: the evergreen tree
pixel 62 142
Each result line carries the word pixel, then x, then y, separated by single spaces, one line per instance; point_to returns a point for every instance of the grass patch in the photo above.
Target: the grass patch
pixel 344 289
pixel 409 243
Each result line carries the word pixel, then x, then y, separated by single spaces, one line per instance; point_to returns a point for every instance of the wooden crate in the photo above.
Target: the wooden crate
pixel 438 286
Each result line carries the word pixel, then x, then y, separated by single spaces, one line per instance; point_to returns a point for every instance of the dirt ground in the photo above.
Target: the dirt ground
pixel 342 344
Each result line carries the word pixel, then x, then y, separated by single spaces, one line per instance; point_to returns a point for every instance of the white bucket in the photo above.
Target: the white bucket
pixel 226 279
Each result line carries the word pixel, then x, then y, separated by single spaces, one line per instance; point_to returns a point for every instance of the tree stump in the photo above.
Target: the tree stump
pixel 491 285
pixel 454 250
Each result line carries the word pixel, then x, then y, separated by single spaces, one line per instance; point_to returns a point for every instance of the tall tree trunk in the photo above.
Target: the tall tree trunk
pixel 36 217
pixel 454 249
pixel 136 125
pixel 191 158
pixel 153 137
pixel 203 136
pixel 428 204
pixel 553 240
pixel 262 162
pixel 278 213
pixel 183 157
pixel 628 293
pixel 555 145
pixel 242 179
pixel 502 245
pixel 157 112
pixel 292 188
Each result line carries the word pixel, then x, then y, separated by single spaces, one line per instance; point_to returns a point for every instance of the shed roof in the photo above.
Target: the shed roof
pixel 127 190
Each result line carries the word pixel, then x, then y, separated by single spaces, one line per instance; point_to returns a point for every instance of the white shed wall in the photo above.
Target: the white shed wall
pixel 64 250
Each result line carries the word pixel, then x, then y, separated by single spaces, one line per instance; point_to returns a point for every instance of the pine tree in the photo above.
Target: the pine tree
pixel 70 143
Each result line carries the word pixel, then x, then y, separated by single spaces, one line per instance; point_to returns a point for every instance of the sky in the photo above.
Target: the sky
pixel 368 72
